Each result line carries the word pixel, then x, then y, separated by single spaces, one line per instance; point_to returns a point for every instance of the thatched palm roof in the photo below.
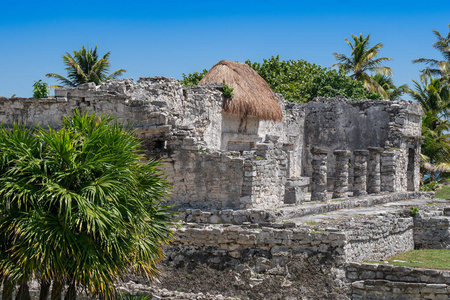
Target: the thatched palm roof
pixel 252 94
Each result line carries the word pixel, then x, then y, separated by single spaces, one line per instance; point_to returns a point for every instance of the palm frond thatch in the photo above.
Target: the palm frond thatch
pixel 252 94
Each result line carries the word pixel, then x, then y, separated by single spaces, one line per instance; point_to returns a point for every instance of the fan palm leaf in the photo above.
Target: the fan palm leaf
pixel 81 204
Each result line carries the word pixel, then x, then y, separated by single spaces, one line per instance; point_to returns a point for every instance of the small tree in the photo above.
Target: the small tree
pixel 81 204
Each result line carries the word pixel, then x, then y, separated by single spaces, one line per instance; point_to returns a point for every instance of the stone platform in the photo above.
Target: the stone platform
pixel 303 251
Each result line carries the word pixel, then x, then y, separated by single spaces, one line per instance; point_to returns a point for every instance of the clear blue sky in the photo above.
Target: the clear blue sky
pixel 168 38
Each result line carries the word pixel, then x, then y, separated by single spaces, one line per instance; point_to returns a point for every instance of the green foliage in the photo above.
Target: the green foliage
pixel 80 205
pixel 433 94
pixel 390 90
pixel 85 66
pixel 192 79
pixel 227 91
pixel 300 81
pixel 362 61
pixel 413 211
pixel 40 89
pixel 430 187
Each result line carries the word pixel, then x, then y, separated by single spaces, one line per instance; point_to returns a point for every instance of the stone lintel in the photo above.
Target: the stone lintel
pixel 319 150
pixel 361 152
pixel 342 152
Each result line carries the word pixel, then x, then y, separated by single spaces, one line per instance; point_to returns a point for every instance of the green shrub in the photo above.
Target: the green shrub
pixel 40 89
pixel 429 187
pixel 227 91
pixel 413 211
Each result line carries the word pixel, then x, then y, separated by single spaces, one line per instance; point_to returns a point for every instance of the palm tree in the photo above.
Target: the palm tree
pixel 438 67
pixel 392 92
pixel 363 61
pixel 82 205
pixel 436 145
pixel 433 94
pixel 85 66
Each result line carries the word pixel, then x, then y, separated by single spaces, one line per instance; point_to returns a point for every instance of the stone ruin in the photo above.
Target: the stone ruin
pixel 244 196
pixel 213 164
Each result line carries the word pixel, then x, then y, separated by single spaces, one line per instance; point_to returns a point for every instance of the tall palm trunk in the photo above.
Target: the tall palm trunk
pixel 8 290
pixel 45 289
pixel 71 293
pixel 24 291
pixel 57 289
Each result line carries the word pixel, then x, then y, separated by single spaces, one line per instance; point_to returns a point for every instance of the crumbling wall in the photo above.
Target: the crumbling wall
pixel 432 232
pixel 204 180
pixel 378 281
pixel 342 124
pixel 379 237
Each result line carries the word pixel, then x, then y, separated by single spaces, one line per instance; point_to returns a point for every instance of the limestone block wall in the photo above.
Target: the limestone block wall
pixel 432 233
pixel 290 132
pixel 379 238
pixel 371 281
pixel 264 177
pixel 340 124
pixel 204 180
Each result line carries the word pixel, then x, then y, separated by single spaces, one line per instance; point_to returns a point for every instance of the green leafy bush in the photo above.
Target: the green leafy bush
pixel 40 89
pixel 429 187
pixel 192 79
pixel 227 91
pixel 413 211
pixel 300 81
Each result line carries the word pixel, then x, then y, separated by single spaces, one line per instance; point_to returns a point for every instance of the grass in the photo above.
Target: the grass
pixel 426 258
pixel 443 193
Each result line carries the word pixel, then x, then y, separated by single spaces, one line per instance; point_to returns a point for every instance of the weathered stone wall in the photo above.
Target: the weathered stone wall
pixel 256 262
pixel 380 237
pixel 432 233
pixel 340 124
pixel 371 281
pixel 204 180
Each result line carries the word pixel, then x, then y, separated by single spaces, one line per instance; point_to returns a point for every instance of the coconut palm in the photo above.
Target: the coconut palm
pixel 392 92
pixel 436 145
pixel 433 94
pixel 82 205
pixel 85 66
pixel 438 67
pixel 362 61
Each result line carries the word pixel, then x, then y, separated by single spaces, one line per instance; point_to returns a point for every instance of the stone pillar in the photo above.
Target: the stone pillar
pixel 374 169
pixel 388 158
pixel 319 174
pixel 360 172
pixel 341 173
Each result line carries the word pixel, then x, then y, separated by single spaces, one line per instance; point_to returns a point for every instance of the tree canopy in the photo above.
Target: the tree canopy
pixel 85 66
pixel 80 206
pixel 300 81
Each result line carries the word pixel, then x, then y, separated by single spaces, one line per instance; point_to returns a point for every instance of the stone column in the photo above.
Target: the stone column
pixel 360 172
pixel 319 174
pixel 388 158
pixel 341 173
pixel 373 168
